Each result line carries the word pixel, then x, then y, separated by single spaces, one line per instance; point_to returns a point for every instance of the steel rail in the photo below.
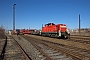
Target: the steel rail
pixel 3 50
pixel 64 42
pixel 24 53
pixel 69 52
pixel 37 47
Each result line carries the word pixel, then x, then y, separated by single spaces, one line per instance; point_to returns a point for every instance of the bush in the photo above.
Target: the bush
pixel 2 35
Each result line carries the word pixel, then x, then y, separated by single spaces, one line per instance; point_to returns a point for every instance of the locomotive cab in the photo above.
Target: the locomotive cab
pixel 63 32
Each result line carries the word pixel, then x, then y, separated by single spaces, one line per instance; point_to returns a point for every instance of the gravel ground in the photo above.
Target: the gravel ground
pixel 33 53
pixel 2 41
pixel 82 34
pixel 78 51
pixel 12 51
pixel 64 42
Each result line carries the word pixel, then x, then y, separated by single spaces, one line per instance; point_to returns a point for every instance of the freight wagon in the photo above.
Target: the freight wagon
pixel 16 31
pixel 25 31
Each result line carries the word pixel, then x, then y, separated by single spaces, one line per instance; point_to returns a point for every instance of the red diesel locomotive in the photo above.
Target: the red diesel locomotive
pixel 55 30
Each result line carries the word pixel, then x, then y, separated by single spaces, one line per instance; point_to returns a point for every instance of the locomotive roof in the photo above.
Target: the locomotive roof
pixel 50 24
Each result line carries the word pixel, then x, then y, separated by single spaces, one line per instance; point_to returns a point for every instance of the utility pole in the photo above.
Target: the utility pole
pixel 79 23
pixel 7 26
pixel 14 17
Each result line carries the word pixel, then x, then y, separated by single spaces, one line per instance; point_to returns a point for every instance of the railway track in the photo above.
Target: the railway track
pixel 46 52
pixel 39 49
pixel 3 43
pixel 68 51
pixel 12 50
pixel 77 38
pixel 25 55
pixel 82 35
pixel 31 50
pixel 81 39
pixel 64 42
pixel 23 52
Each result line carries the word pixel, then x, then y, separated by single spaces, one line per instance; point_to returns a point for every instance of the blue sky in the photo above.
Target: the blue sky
pixel 34 13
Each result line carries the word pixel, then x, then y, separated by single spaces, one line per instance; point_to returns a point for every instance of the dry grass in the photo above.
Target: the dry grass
pixel 2 35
